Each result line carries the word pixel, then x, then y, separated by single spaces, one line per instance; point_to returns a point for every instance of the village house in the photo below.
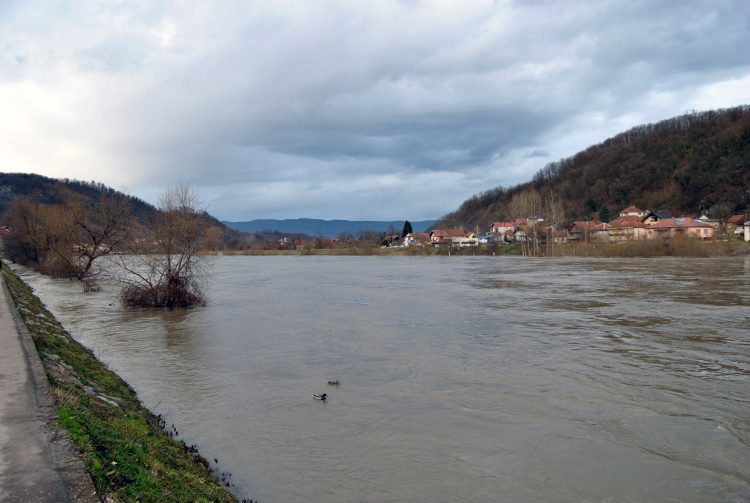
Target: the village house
pixel 556 236
pixel 503 227
pixel 600 232
pixel 654 216
pixel 632 223
pixel 581 230
pixel 633 211
pixel 627 226
pixel 716 224
pixel 735 224
pixel 672 227
pixel 394 240
pixel 417 239
pixel 447 237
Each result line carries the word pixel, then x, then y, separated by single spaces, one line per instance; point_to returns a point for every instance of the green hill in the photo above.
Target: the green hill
pixel 698 162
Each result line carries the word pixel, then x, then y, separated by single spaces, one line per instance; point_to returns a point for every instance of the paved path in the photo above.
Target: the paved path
pixel 36 463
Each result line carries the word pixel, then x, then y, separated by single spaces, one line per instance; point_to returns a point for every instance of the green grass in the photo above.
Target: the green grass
pixel 124 446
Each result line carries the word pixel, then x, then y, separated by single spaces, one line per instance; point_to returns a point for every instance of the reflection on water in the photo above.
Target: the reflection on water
pixel 467 379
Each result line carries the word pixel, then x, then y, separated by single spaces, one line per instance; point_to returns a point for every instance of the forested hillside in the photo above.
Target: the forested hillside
pixel 51 191
pixel 698 162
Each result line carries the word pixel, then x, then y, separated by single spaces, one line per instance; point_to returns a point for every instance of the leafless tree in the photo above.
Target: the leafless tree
pixel 91 231
pixel 554 214
pixel 164 268
pixel 27 242
pixel 528 205
pixel 67 239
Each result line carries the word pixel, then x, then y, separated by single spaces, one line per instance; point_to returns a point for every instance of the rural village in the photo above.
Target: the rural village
pixel 631 224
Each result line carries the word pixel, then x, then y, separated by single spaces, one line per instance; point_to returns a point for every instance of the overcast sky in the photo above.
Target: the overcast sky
pixel 378 109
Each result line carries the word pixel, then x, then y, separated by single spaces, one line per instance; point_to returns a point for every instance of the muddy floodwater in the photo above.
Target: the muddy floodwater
pixel 462 379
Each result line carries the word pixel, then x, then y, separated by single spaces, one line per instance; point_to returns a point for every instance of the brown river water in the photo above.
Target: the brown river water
pixel 462 378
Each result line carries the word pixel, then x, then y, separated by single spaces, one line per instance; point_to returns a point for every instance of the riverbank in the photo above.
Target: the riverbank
pixel 127 450
pixel 635 248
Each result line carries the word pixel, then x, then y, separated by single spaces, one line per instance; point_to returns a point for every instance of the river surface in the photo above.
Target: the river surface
pixel 462 378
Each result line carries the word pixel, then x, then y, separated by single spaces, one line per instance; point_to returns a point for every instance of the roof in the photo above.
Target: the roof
pixel 448 233
pixel 628 221
pixel 631 209
pixel 680 223
pixel 736 219
pixel 584 225
pixel 507 223
pixel 419 235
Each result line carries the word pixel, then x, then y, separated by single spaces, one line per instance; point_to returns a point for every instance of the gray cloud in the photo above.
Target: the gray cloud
pixel 382 109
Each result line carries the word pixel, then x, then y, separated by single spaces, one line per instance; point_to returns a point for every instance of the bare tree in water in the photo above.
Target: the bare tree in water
pixel 164 268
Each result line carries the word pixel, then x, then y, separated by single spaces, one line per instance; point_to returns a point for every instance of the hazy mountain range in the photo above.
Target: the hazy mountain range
pixel 327 228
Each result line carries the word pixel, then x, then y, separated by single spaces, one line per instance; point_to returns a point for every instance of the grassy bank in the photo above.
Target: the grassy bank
pixel 676 247
pixel 125 447
pixel 380 252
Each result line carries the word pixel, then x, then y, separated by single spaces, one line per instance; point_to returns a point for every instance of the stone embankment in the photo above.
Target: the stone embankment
pixel 72 430
pixel 37 460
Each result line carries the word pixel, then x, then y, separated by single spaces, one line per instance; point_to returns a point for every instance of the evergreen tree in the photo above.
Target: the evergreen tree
pixel 604 214
pixel 407 229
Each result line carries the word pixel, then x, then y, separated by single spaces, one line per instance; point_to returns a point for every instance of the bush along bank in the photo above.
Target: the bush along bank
pixel 125 447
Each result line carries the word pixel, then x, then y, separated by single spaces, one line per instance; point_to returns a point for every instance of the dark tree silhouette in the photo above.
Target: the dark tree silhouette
pixel 407 229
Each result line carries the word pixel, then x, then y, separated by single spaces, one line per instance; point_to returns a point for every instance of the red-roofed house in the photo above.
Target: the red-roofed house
pixel 503 227
pixel 671 227
pixel 627 227
pixel 446 236
pixel 735 224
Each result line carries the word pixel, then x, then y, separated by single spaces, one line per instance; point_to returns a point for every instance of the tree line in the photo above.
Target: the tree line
pixel 158 259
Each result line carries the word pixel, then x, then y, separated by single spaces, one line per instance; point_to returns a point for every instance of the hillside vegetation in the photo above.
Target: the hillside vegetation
pixel 59 192
pixel 698 162
pixel 56 191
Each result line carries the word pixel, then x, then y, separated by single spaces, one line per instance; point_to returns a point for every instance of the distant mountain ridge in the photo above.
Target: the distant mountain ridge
pixel 327 228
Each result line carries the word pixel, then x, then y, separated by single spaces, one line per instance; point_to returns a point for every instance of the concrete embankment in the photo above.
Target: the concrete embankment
pixel 37 461
pixel 120 450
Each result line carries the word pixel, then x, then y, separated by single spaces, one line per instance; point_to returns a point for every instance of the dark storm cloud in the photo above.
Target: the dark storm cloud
pixel 385 109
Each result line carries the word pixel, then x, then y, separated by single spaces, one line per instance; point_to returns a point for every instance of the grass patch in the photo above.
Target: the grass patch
pixel 125 447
